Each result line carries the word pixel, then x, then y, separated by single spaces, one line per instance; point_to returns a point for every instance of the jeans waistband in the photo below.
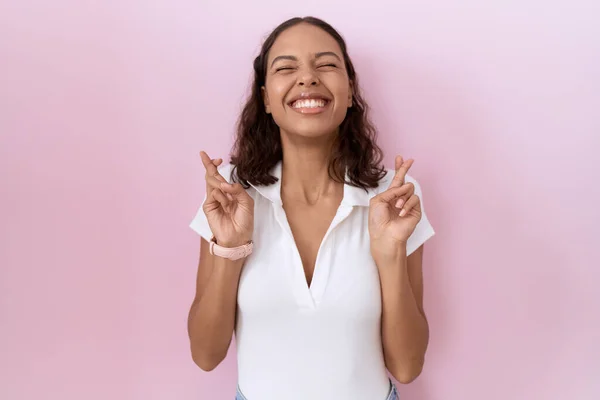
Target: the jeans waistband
pixel 393 395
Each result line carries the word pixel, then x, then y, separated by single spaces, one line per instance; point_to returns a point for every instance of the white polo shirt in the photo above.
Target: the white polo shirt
pixel 321 342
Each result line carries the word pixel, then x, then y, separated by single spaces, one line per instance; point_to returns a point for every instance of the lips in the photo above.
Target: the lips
pixel 309 103
pixel 309 100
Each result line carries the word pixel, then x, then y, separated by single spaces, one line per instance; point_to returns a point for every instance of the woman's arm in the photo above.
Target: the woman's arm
pixel 212 315
pixel 229 217
pixel 405 331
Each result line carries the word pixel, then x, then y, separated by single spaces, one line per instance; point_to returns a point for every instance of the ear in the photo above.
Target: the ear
pixel 265 98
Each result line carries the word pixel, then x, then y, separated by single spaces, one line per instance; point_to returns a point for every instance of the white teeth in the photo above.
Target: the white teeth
pixel 310 103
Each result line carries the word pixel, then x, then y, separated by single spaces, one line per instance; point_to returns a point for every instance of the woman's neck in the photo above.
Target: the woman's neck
pixel 305 173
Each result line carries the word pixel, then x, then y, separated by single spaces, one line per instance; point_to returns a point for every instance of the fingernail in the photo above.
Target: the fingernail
pixel 399 203
pixel 403 212
pixel 230 197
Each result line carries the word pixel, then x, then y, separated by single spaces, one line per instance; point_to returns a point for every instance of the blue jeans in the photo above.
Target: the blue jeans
pixel 392 396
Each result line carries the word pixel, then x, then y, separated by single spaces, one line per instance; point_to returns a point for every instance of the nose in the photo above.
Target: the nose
pixel 308 78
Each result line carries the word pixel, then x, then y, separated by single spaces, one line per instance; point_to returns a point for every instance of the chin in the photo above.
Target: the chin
pixel 312 131
pixel 311 128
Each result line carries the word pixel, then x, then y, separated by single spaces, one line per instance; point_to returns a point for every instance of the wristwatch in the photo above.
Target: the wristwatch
pixel 231 253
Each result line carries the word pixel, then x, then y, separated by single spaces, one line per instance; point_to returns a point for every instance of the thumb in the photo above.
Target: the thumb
pixel 236 191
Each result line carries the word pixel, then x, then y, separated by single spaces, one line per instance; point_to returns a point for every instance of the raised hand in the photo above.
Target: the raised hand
pixel 395 213
pixel 228 207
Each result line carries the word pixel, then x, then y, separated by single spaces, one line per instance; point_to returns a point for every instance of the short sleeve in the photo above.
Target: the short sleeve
pixel 200 224
pixel 423 231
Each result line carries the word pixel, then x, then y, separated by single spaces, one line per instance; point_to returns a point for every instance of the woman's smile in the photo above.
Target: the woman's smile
pixel 310 106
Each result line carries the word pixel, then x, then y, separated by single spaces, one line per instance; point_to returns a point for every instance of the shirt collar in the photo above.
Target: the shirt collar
pixel 353 196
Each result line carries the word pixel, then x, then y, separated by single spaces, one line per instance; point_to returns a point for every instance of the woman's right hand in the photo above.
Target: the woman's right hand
pixel 228 207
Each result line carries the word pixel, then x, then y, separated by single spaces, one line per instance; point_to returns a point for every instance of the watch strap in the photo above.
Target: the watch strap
pixel 231 253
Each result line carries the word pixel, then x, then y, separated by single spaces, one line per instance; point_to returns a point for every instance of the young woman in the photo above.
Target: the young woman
pixel 311 251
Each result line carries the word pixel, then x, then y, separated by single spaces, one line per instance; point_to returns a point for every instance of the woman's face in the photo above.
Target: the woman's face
pixel 307 89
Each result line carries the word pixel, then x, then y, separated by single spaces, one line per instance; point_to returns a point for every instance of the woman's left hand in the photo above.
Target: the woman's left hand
pixel 394 214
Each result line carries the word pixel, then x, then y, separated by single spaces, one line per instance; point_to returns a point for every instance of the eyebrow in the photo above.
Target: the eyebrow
pixel 294 58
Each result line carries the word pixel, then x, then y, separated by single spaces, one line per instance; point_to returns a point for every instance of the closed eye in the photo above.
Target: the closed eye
pixel 283 69
pixel 328 65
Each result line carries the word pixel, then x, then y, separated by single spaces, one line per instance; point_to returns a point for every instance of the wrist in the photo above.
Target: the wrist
pixel 231 243
pixel 230 250
pixel 391 252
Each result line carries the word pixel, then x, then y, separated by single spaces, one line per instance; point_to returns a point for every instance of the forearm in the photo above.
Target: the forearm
pixel 405 331
pixel 212 317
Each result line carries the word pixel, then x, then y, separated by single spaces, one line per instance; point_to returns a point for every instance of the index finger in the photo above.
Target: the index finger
pixel 402 168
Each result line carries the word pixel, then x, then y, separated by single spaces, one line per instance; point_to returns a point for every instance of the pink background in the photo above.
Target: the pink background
pixel 105 105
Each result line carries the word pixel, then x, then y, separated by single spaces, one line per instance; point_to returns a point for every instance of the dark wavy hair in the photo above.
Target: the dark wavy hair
pixel 257 148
